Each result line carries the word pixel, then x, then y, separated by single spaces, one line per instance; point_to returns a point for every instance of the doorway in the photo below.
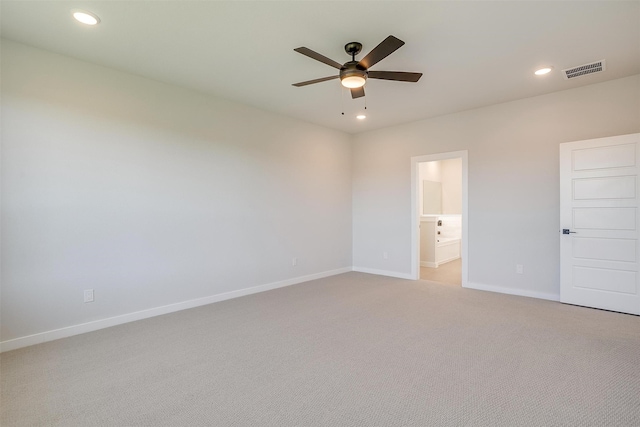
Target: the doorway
pixel 439 202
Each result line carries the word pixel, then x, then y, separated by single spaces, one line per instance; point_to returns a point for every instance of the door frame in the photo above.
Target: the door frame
pixel 415 210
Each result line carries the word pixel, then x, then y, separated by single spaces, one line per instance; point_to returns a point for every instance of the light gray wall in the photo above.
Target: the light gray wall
pixel 513 180
pixel 152 194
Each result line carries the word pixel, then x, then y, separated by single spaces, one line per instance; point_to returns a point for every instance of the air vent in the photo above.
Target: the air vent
pixel 583 70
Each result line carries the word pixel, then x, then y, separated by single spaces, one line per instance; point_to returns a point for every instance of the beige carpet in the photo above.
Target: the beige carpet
pixel 351 350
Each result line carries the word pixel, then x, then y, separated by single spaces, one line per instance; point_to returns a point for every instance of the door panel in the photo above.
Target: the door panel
pixel 599 205
pixel 612 156
pixel 604 218
pixel 613 187
pixel 605 279
pixel 604 249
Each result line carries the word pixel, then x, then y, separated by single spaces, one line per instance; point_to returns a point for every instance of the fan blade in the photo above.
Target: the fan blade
pixel 384 49
pixel 400 76
pixel 310 82
pixel 357 92
pixel 315 55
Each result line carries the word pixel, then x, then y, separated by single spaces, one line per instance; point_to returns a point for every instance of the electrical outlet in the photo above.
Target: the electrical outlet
pixel 88 295
pixel 519 269
pixel 294 261
pixel 385 255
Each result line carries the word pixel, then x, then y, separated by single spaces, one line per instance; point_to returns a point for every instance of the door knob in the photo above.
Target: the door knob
pixel 567 231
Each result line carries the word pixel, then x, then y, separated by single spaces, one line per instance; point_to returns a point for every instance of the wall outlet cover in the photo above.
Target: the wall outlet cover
pixel 88 295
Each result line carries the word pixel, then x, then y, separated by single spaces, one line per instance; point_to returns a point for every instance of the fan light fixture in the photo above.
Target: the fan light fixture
pixel 353 82
pixel 354 74
pixel 86 17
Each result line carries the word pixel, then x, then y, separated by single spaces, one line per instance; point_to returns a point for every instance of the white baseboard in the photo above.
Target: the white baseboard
pixel 444 261
pixel 384 273
pixel 156 311
pixel 512 291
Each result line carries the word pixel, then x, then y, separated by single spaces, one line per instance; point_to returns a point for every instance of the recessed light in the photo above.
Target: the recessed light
pixel 85 17
pixel 361 117
pixel 543 71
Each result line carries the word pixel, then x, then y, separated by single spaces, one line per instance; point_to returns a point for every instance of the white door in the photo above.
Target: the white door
pixel 599 223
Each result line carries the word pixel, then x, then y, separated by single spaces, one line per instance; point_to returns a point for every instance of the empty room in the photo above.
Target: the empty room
pixel 319 213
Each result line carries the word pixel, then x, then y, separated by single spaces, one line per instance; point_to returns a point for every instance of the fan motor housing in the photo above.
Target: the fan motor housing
pixel 352 68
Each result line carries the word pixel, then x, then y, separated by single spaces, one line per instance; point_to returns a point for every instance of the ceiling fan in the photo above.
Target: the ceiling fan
pixel 353 74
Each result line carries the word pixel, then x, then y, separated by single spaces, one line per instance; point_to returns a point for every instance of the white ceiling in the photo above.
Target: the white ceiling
pixel 472 53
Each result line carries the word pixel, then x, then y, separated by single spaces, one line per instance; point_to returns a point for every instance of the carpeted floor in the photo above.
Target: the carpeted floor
pixel 349 350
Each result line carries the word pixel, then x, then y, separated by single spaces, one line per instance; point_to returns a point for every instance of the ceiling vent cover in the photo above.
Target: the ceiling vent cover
pixel 583 70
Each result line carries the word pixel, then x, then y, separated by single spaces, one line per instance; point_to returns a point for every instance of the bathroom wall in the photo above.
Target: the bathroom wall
pixel 451 178
pixel 449 173
pixel 429 171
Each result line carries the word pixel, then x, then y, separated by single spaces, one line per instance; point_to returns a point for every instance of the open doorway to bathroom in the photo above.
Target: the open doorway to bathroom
pixel 439 226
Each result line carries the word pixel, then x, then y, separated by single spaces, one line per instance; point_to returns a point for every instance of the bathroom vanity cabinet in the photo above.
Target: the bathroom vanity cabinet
pixel 440 237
